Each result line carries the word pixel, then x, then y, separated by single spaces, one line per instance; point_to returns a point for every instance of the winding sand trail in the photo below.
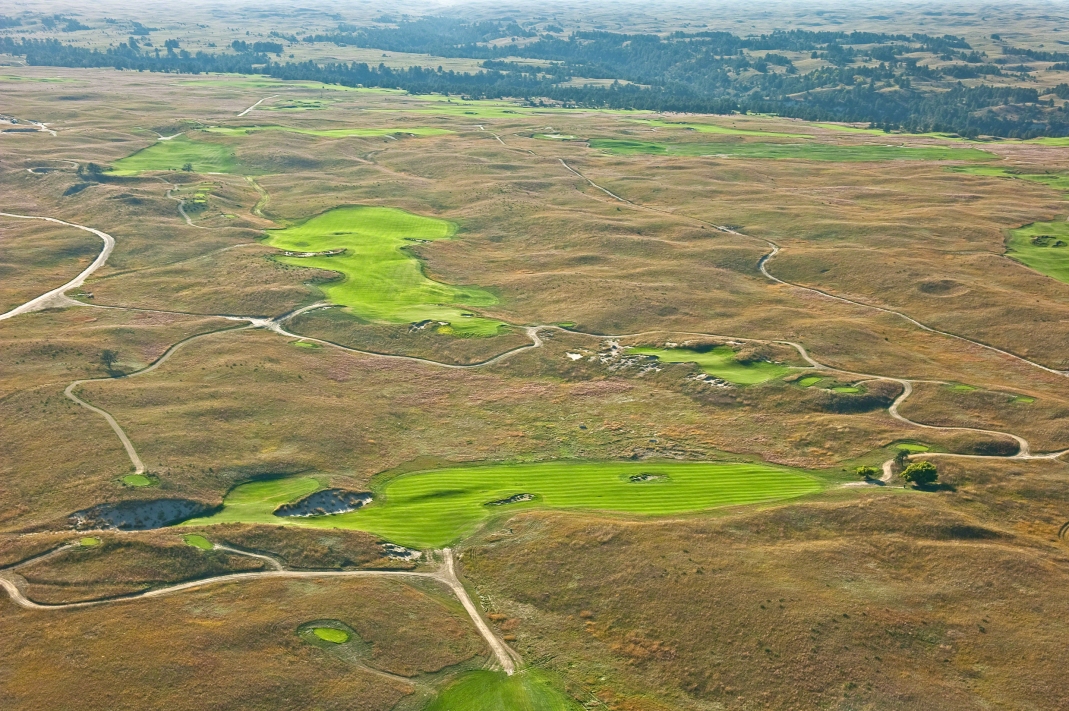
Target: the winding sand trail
pixel 45 300
pixel 257 104
pixel 445 574
pixel 775 249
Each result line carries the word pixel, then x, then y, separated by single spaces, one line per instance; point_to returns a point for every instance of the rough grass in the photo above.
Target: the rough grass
pixel 174 154
pixel 1057 181
pixel 1043 246
pixel 434 508
pixel 720 362
pixel 382 280
pixel 333 132
pixel 529 690
pixel 794 151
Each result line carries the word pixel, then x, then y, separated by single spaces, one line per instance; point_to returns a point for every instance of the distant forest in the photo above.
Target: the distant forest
pixel 866 77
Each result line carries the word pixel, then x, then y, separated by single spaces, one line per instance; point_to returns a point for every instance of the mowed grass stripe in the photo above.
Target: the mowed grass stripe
pixel 435 508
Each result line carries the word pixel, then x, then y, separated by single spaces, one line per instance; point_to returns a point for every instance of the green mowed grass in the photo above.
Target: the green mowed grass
pixel 136 480
pixel 382 280
pixel 1057 181
pixel 809 381
pixel 1043 246
pixel 912 446
pixel 1022 400
pixel 332 132
pixel 205 157
pixel 794 151
pixel 89 542
pixel 527 690
pixel 198 541
pixel 846 389
pixel 722 130
pixel 720 362
pixel 329 634
pixel 961 388
pixel 436 508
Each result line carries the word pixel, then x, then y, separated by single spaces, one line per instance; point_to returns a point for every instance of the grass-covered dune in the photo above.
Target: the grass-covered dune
pixel 382 280
pixel 202 156
pixel 719 362
pixel 435 508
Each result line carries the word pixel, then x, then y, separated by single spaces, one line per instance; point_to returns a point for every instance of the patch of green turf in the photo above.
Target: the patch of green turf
pixel 794 151
pixel 174 154
pixel 846 389
pixel 198 541
pixel 383 281
pixel 331 132
pixel 1056 181
pixel 912 446
pixel 554 136
pixel 329 634
pixel 136 480
pixel 527 690
pixel 1022 400
pixel 962 388
pixel 722 130
pixel 719 362
pixel 89 542
pixel 306 344
pixel 810 381
pixel 435 508
pixel 1043 246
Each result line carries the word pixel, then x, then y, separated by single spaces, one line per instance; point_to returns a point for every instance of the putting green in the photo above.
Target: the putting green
pixel 331 132
pixel 527 690
pixel 810 381
pixel 846 389
pixel 795 151
pixel 720 362
pixel 198 541
pixel 961 388
pixel 174 154
pixel 435 508
pixel 1022 400
pixel 89 542
pixel 912 446
pixel 329 634
pixel 1043 246
pixel 382 280
pixel 136 480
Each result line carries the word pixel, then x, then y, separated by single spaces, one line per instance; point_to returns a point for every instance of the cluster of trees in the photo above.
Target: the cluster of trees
pixel 704 72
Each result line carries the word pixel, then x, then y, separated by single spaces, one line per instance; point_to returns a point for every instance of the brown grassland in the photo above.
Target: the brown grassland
pixel 856 598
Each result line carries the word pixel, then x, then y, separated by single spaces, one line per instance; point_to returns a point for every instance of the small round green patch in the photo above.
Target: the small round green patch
pixel 810 381
pixel 1023 400
pixel 329 634
pixel 912 446
pixel 198 541
pixel 306 344
pixel 136 480
pixel 846 389
pixel 962 388
pixel 89 542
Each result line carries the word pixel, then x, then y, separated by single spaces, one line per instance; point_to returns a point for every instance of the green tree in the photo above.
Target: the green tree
pixel 188 167
pixel 901 459
pixel 921 473
pixel 867 472
pixel 108 358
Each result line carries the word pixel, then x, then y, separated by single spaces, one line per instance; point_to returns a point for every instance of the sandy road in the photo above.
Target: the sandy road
pixel 44 300
pixel 257 104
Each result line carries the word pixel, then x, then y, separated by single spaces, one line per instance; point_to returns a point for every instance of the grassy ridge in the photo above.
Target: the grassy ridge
pixel 794 151
pixel 529 690
pixel 722 130
pixel 1057 181
pixel 434 508
pixel 382 280
pixel 331 132
pixel 720 362
pixel 174 154
pixel 1043 246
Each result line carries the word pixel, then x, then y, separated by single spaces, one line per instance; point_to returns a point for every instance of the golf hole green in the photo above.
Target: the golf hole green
pixel 329 634
pixel 136 480
pixel 810 381
pixel 89 542
pixel 198 541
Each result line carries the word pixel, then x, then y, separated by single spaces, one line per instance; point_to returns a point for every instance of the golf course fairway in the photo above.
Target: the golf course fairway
pixel 795 151
pixel 529 690
pixel 202 156
pixel 719 362
pixel 435 508
pixel 382 280
pixel 1043 246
